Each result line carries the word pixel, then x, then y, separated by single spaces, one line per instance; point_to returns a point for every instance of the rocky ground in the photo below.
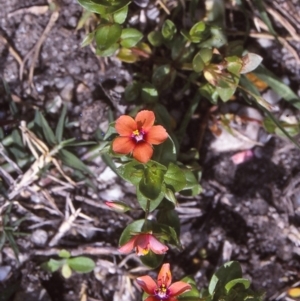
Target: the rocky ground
pixel 248 212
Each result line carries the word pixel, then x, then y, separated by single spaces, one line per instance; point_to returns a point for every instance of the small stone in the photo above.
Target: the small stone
pixel 39 237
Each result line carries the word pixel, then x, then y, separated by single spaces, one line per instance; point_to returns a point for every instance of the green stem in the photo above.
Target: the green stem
pixel 147 211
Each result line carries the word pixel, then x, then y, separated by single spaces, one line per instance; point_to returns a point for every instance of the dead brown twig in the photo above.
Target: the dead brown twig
pixel 34 52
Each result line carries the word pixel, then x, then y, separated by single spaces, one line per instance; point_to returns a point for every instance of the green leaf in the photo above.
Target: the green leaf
pixel 81 264
pixel 192 183
pixel 196 33
pixel 91 6
pixel 163 77
pixel 52 265
pixel 226 93
pixel 121 15
pixel 165 152
pixel 175 177
pixel 132 172
pixel 170 218
pixel 227 272
pixel 170 196
pixel 111 6
pixel 108 51
pixel 149 93
pixel 107 35
pixel 130 37
pixel 132 91
pixel 47 131
pixel 151 183
pixel 168 30
pixel 155 38
pixel 234 65
pixel 61 123
pixel 143 201
pixel 229 285
pixel 152 260
pixel 131 229
pixel 88 39
pixel 64 254
pixel 66 271
pixel 127 55
pixel 206 55
pixel 71 160
pixel 277 86
pixel 198 63
pixel 209 92
pixel 191 295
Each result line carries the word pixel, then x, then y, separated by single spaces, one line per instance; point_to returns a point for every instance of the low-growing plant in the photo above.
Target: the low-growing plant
pixel 68 264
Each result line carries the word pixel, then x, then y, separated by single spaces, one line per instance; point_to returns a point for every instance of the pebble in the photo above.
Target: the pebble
pixel 4 271
pixel 39 237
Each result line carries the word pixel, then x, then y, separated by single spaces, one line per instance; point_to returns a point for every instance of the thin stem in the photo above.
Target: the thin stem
pixel 147 211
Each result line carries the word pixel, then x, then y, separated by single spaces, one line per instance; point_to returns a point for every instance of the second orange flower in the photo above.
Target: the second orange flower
pixel 138 135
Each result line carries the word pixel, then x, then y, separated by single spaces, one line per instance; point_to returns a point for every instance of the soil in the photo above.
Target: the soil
pixel 248 212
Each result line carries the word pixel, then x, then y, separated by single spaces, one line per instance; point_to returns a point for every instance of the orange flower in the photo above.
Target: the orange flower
pixel 137 135
pixel 162 289
pixel 142 243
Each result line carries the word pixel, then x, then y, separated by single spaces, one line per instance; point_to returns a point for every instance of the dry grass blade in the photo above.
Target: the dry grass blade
pixel 11 162
pixel 11 50
pixel 32 174
pixel 36 10
pixel 37 47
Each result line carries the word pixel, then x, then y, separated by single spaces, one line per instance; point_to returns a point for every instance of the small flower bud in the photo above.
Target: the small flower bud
pixel 117 206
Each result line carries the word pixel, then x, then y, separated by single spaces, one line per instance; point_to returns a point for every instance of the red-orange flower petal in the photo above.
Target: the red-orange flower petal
pixel 125 125
pixel 123 145
pixel 147 284
pixel 156 246
pixel 178 288
pixel 142 152
pixel 164 275
pixel 152 298
pixel 128 247
pixel 156 135
pixel 145 119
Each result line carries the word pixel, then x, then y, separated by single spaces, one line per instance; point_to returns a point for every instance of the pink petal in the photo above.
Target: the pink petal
pixel 156 135
pixel 142 240
pixel 143 152
pixel 125 125
pixel 164 275
pixel 178 288
pixel 147 284
pixel 123 145
pixel 156 246
pixel 128 247
pixel 145 119
pixel 242 156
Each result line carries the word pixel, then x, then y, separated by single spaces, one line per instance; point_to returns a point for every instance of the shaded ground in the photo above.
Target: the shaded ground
pixel 248 212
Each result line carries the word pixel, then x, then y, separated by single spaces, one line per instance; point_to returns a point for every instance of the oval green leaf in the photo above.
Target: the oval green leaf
pixel 107 35
pixel 130 37
pixel 81 264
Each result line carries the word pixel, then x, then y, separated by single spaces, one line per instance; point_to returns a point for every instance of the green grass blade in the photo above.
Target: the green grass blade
pixel 259 4
pixel 71 160
pixel 277 86
pixel 61 124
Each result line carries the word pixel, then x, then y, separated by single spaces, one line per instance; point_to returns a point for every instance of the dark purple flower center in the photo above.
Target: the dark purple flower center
pixel 162 293
pixel 138 135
